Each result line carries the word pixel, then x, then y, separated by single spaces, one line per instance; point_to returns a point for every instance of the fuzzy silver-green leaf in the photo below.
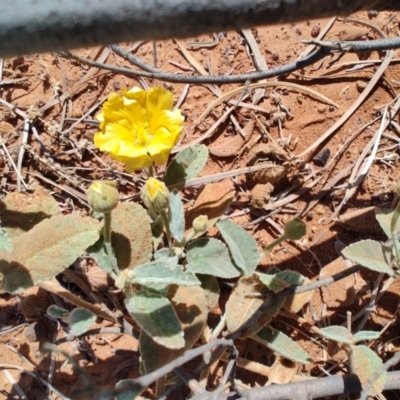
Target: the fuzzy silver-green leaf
pixel 210 257
pixel 157 317
pixel 176 216
pixel 80 320
pixel 242 246
pixel 339 334
pixel 369 254
pixel 46 250
pixel 187 164
pixel 282 344
pixel 161 272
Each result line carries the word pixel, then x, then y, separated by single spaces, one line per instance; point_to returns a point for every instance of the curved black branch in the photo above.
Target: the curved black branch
pixel 252 77
pixel 326 48
pixel 31 26
pixel 357 46
pixel 222 79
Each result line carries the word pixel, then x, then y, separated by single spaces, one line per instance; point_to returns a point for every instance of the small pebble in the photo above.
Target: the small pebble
pixel 322 109
pixel 322 158
pixel 361 85
pixel 300 98
pixel 315 31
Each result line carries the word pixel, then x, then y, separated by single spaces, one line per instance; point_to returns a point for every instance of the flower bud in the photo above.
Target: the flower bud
pixel 102 196
pixel 295 229
pixel 124 278
pixel 179 252
pixel 200 223
pixel 155 195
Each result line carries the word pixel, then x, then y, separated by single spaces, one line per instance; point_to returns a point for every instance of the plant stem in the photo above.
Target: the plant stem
pixel 165 221
pixel 53 286
pixel 107 227
pixel 271 246
pixel 219 328
pixel 107 243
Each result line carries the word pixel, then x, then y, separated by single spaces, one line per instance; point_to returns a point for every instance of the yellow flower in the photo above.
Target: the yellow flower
pixel 139 127
pixel 155 195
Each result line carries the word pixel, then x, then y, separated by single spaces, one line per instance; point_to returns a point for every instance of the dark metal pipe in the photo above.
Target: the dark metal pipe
pixel 35 26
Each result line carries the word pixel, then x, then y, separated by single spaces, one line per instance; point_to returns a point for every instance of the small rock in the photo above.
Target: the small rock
pixel 361 85
pixel 300 98
pixel 322 158
pixel 315 31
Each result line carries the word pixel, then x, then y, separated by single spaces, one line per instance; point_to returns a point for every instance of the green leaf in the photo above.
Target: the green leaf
pixel 157 229
pixel 102 258
pixel 161 272
pixel 364 362
pixel 158 288
pixel 339 334
pixel 365 335
pixel 211 289
pixel 369 254
pixel 162 254
pixel 244 302
pixel 291 277
pixel 277 280
pixel 5 242
pixel 210 257
pixel 186 164
pixel 384 217
pixel 80 320
pixel 282 344
pixel 157 317
pixel 46 250
pixel 126 390
pixel 242 246
pixel 176 216
pixel 57 312
pixel 191 309
pixel 131 235
pixel 272 282
pixel 20 212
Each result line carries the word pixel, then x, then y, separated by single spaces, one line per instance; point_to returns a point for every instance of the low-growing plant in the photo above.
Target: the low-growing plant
pixel 167 271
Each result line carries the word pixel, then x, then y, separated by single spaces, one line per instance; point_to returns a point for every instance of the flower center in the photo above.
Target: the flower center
pixel 141 134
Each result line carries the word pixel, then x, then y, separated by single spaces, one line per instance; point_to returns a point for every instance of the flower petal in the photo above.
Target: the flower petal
pixel 170 120
pixel 137 94
pixel 158 100
pixel 133 164
pixel 110 139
